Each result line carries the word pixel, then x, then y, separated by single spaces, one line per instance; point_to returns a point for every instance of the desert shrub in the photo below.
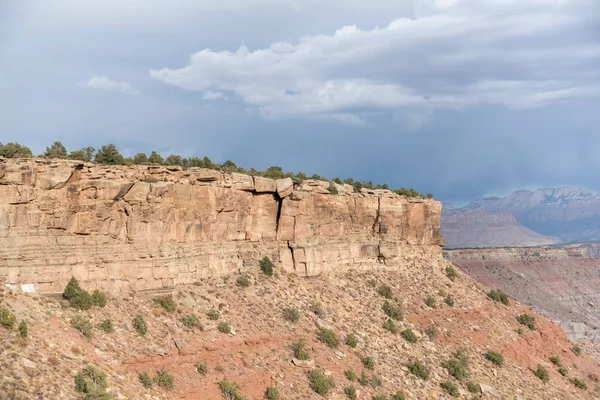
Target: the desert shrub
pixel 578 383
pixel 520 331
pixel 499 296
pixel 224 327
pixel 291 314
pixel 328 337
pixel 392 311
pixel 318 310
pixel 495 358
pixel 272 393
pixel 369 363
pixel 450 388
pixel 166 302
pixel 372 282
pixel 191 321
pixel 379 397
pixel 106 326
pixel 319 382
pixel 577 350
pixel 76 296
pixel 7 318
pixel 563 371
pixel 542 373
pixel 451 273
pixel 164 379
pixel 390 325
pixel 352 340
pixel 332 189
pixel 243 281
pixel 457 369
pixel 527 320
pixel 419 369
pixel 363 379
pixel 350 392
pixel 213 314
pixel 202 367
pixel 266 266
pixel 431 301
pixel 385 291
pixel 350 374
pixel 432 331
pixel 146 380
pixel 99 298
pixel 398 396
pixel 375 381
pixel 473 387
pixel 91 381
pixel 83 325
pixel 230 390
pixel 449 301
pixel 139 324
pixel 299 352
pixel 555 360
pixel 409 335
pixel 23 330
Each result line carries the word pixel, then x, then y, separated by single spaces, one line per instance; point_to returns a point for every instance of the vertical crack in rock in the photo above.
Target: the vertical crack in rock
pixel 292 251
pixel 376 223
pixel 279 205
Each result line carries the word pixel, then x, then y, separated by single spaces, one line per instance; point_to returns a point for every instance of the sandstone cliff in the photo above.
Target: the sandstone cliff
pixel 148 227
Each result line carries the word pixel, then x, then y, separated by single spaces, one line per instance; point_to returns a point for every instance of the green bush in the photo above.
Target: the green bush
pixel 224 327
pixel 451 273
pixel 563 371
pixel 391 326
pixel 299 352
pixel 139 324
pixel 542 373
pixel 457 369
pixel 83 325
pixel 266 266
pixel 379 397
pixel 99 298
pixel 375 381
pixel 473 387
pixel 243 281
pixel 319 382
pixel 164 379
pixel 431 301
pixel 328 337
pixel 191 321
pixel 23 330
pixel 202 367
pixel 76 296
pixel 350 374
pixel 230 390
pixel 450 388
pixel 527 320
pixel 91 381
pixel 272 393
pixel 520 331
pixel 291 314
pixel 432 331
pixel 213 314
pixel 363 379
pixel 398 396
pixel 409 335
pixel 368 363
pixel 449 301
pixel 577 350
pixel 419 369
pixel 146 380
pixel 499 296
pixel 350 392
pixel 166 302
pixel 555 360
pixel 106 326
pixel 352 340
pixel 578 383
pixel 7 318
pixel 385 291
pixel 392 311
pixel 495 358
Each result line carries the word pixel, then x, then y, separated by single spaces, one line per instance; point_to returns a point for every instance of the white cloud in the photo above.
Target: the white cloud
pixel 210 95
pixel 451 54
pixel 104 83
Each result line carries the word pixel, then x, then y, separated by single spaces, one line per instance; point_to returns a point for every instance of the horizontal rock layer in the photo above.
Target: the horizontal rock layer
pixel 148 227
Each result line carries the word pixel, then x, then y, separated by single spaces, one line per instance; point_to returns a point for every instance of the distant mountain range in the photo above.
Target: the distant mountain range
pixel 524 218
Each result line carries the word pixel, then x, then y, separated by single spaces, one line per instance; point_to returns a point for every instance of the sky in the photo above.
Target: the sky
pixel 461 98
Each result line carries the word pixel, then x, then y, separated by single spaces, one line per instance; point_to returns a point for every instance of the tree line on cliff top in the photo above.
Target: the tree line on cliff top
pixel 109 154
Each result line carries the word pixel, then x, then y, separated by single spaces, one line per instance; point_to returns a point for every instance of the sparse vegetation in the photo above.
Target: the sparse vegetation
pixel 368 363
pixel 451 273
pixel 398 396
pixel 473 387
pixel 328 337
pixel 266 266
pixel 449 301
pixel 392 311
pixel 76 296
pixel 164 379
pixel 419 369
pixel 291 314
pixel 350 392
pixel 350 374
pixel 213 314
pixel 431 301
pixel 450 388
pixel 363 379
pixel 146 380
pixel 555 360
pixel 106 326
pixel 319 382
pixel 495 358
pixel 527 320
pixel 191 321
pixel 578 383
pixel 230 390
pixel 7 318
pixel 432 331
pixel 457 368
pixel 499 296
pixel 391 326
pixel 379 397
pixel 542 373
pixel 91 381
pixel 139 324
pixel 23 330
pixel 272 393
pixel 318 310
pixel 299 352
pixel 224 327
pixel 409 335
pixel 577 350
pixel 352 340
pixel 83 325
pixel 385 291
pixel 243 281
pixel 99 298
pixel 166 302
pixel 563 371
pixel 202 367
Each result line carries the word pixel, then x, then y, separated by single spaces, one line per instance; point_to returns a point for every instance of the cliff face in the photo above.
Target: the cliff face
pixel 147 227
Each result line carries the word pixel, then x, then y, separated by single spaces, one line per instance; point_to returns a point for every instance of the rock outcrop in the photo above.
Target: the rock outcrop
pixel 149 227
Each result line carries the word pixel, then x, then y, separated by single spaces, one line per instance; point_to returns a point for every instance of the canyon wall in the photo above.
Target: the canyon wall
pixel 149 227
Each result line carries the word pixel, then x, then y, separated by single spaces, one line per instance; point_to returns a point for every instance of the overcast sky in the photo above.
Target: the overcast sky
pixel 462 98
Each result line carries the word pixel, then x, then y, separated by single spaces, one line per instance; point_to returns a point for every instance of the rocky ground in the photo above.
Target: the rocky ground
pixel 258 352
